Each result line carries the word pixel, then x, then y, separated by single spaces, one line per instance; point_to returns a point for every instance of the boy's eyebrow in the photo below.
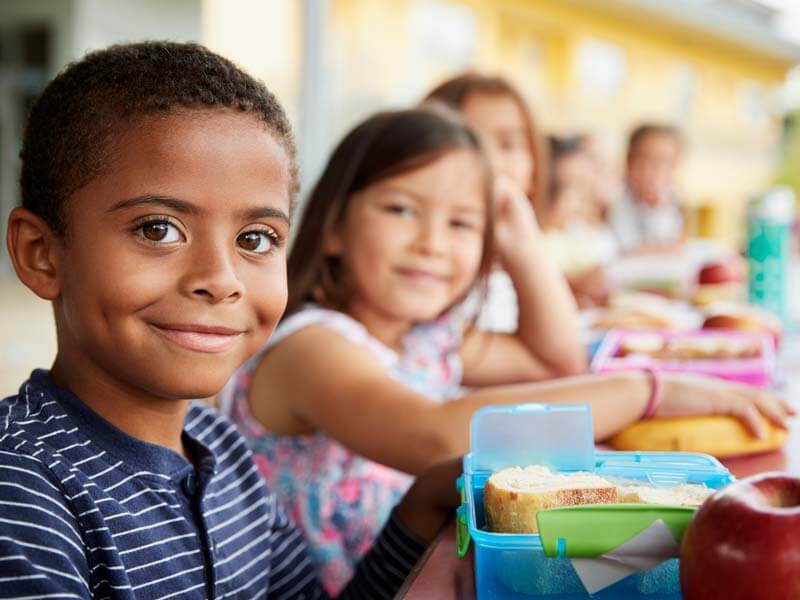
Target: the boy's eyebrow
pixel 187 208
pixel 180 206
pixel 253 214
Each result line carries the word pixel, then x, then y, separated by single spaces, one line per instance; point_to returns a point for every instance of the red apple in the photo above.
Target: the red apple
pixel 744 542
pixel 719 272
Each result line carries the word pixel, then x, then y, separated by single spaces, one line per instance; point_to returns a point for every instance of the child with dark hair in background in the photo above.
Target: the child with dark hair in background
pixel 157 187
pixel 647 218
pixel 580 247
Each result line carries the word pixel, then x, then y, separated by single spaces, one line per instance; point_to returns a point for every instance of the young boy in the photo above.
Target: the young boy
pixel 157 183
pixel 647 218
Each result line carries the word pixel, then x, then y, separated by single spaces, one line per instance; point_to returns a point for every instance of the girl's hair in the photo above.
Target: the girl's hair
pixel 385 145
pixel 71 125
pixel 456 91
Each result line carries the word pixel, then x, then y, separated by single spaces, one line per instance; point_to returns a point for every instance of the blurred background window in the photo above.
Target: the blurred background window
pixel 600 68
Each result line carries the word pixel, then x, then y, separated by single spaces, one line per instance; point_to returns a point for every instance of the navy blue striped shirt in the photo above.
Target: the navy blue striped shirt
pixel 87 511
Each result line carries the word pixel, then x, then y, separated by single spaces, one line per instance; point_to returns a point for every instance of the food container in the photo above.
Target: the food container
pixel 514 566
pixel 755 370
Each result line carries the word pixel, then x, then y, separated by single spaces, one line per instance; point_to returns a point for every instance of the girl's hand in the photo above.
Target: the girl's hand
pixel 691 395
pixel 432 500
pixel 515 222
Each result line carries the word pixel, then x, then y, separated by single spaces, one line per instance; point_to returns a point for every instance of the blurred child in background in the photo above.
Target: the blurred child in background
pixel 647 218
pixel 606 181
pixel 581 247
pixel 500 116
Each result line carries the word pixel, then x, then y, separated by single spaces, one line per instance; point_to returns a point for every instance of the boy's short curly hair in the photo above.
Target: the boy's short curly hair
pixel 69 127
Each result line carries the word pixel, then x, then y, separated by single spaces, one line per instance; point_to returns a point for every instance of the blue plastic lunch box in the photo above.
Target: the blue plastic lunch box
pixel 514 566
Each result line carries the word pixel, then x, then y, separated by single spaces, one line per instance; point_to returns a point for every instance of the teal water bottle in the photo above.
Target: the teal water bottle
pixel 769 232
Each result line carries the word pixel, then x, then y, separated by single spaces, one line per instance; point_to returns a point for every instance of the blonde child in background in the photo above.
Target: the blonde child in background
pixel 497 112
pixel 581 248
pixel 354 391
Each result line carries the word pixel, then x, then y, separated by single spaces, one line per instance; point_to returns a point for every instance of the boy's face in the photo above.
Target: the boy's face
pixel 173 267
pixel 652 166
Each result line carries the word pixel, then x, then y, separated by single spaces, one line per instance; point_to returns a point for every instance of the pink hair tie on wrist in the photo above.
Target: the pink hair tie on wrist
pixel 655 395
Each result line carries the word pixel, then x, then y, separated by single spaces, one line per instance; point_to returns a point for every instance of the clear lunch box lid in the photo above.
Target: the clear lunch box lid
pixel 555 435
pixel 560 436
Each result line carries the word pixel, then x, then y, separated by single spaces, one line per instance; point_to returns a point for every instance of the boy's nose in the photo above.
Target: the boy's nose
pixel 212 276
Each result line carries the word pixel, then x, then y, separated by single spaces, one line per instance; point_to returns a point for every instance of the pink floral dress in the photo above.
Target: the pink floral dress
pixel 341 500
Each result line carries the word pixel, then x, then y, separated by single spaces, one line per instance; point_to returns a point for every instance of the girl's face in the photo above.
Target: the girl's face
pixel 412 244
pixel 502 128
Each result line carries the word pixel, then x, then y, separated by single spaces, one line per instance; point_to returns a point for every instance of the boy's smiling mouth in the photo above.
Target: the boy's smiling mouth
pixel 200 338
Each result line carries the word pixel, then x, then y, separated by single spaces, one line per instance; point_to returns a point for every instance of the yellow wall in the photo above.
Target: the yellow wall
pixel 534 42
pixel 262 37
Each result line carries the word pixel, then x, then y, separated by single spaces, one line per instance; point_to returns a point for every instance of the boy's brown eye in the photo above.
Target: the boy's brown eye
pixel 250 241
pixel 258 242
pixel 159 232
pixel 155 232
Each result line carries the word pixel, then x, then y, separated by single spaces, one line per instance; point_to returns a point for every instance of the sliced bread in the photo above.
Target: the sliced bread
pixel 513 496
pixel 687 494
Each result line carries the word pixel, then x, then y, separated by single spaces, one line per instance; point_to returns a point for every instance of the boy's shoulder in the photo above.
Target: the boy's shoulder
pixel 31 413
pixel 32 430
pixel 33 423
pixel 40 528
pixel 32 470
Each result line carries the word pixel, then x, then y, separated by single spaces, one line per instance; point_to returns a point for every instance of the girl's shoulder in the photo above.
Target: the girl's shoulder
pixel 234 395
pixel 312 314
pixel 337 321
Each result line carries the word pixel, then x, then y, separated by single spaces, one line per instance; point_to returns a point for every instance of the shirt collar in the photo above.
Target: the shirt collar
pixel 138 454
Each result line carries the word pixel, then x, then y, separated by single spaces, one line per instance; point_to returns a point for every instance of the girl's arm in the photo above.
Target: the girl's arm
pixel 547 341
pixel 340 389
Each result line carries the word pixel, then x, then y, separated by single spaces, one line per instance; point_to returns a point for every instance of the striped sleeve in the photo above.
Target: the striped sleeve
pixel 41 550
pixel 385 567
pixel 380 573
pixel 292 574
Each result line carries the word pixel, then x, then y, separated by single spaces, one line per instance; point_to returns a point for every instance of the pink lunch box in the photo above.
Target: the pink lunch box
pixel 756 371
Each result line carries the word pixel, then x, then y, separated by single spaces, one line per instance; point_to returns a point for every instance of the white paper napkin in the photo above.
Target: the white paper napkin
pixel 650 548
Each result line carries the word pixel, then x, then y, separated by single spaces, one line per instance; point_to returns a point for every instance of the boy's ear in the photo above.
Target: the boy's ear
pixel 33 248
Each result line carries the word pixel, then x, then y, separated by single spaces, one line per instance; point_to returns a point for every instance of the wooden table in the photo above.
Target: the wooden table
pixel 441 575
